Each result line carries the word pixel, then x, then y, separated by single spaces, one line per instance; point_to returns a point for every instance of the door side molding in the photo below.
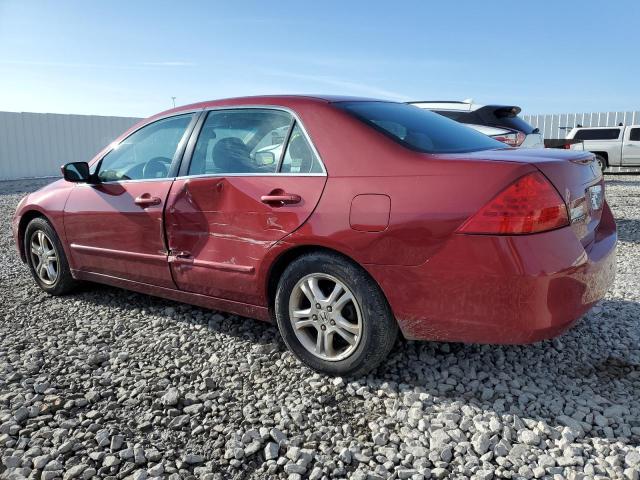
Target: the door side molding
pixel 180 258
pixel 119 253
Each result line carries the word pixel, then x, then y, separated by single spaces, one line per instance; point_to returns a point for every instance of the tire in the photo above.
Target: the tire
pixel 358 326
pixel 40 232
pixel 602 162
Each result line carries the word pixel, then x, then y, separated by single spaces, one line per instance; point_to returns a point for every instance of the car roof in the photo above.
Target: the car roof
pixel 289 101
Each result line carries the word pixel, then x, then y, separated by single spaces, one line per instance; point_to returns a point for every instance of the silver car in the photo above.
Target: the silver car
pixel 500 122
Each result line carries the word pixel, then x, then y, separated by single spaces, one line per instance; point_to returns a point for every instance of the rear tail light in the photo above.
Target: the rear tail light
pixel 531 204
pixel 513 139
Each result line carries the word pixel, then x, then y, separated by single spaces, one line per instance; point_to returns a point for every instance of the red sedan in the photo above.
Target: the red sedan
pixel 341 219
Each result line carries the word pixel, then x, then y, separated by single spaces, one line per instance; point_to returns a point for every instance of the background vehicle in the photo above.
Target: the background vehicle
pixel 615 148
pixel 374 216
pixel 500 122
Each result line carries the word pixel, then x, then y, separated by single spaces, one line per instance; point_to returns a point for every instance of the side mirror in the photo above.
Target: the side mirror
pixel 265 158
pixel 77 172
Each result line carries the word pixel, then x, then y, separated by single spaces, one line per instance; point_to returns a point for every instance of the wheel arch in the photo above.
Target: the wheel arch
pixel 279 265
pixel 25 219
pixel 604 155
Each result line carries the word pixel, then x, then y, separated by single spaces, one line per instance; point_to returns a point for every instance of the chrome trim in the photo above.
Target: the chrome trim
pixel 136 180
pixel 204 175
pixel 223 175
pixel 207 110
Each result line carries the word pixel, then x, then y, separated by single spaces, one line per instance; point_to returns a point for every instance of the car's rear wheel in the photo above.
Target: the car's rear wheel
pixel 602 162
pixel 333 316
pixel 46 259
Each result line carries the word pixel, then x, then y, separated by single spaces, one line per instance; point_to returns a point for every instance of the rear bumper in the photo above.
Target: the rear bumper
pixel 502 290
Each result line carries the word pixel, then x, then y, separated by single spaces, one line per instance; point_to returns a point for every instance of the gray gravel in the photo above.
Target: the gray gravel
pixel 111 384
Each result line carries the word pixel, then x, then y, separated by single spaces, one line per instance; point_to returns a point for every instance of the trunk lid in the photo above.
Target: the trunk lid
pixel 574 174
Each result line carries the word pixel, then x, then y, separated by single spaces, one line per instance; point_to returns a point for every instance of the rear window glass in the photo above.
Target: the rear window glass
pixel 598 134
pixel 634 135
pixel 419 129
pixel 487 116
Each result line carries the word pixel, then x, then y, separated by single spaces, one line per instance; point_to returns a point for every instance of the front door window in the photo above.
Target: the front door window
pixel 146 154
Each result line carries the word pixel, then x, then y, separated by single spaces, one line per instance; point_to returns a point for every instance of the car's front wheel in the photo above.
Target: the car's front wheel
pixel 333 316
pixel 46 258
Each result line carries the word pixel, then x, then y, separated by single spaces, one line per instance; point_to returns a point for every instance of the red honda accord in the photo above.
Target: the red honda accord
pixel 342 219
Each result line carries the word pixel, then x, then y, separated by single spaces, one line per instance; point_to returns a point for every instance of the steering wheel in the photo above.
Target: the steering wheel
pixel 157 167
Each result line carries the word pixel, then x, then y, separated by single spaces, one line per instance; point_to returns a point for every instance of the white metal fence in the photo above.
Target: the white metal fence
pixel 36 144
pixel 557 125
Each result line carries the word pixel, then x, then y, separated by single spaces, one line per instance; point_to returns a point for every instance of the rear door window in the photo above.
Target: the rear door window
pixel 634 135
pixel 246 140
pixel 598 134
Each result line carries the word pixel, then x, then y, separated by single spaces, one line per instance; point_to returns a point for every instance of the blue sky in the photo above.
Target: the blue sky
pixel 130 58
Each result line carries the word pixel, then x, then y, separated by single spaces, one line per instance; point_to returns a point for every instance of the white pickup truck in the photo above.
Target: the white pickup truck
pixel 617 149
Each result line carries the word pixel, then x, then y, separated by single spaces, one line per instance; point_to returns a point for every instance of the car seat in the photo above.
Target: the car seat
pixel 231 155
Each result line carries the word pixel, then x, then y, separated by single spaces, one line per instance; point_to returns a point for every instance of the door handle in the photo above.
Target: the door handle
pixel 282 198
pixel 146 200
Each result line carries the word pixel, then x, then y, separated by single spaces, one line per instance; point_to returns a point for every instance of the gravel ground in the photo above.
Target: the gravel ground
pixel 111 384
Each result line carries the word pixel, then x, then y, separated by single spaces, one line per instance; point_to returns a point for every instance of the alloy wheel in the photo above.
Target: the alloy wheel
pixel 325 316
pixel 44 258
